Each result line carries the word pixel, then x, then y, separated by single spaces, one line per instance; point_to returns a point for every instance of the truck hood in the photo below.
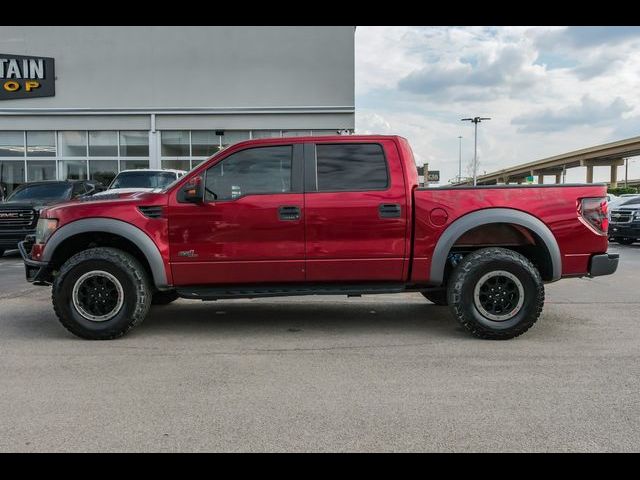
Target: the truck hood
pixel 101 202
pixel 23 205
pixel 122 190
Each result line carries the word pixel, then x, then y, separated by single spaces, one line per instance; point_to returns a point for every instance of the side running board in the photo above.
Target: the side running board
pixel 257 291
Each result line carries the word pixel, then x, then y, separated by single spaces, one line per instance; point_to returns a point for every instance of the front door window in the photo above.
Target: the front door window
pixel 252 171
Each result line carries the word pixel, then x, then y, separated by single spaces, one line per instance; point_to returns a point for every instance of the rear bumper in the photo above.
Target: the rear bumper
pixel 36 272
pixel 604 264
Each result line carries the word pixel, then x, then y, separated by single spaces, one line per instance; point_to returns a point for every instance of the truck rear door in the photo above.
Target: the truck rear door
pixel 356 212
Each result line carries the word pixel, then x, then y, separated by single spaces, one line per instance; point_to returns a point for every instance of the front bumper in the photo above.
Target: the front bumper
pixel 36 272
pixel 629 230
pixel 604 264
pixel 9 239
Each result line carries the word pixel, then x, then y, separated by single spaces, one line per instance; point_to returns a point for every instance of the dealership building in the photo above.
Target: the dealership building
pixel 87 102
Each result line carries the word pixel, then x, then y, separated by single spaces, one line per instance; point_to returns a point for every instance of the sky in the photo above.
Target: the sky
pixel 548 90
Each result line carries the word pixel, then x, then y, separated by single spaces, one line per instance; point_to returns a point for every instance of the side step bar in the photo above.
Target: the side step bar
pixel 257 291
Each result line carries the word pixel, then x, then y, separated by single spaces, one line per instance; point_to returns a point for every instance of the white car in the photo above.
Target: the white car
pixel 141 180
pixel 617 201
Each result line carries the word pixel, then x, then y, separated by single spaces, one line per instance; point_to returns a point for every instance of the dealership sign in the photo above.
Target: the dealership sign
pixel 26 77
pixel 433 176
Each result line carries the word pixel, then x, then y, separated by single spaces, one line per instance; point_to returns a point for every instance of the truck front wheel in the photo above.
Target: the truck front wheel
pixel 101 293
pixel 496 293
pixel 625 240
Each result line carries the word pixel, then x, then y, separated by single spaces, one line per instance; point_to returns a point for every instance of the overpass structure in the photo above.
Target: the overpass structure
pixel 635 183
pixel 609 154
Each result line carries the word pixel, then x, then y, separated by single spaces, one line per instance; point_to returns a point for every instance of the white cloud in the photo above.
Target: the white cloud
pixel 587 113
pixel 548 90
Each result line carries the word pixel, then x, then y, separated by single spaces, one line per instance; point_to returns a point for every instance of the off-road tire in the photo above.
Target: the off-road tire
pixel 127 270
pixel 471 269
pixel 164 298
pixel 439 297
pixel 625 240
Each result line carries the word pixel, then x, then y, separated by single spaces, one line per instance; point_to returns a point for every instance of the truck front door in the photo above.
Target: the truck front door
pixel 356 212
pixel 250 228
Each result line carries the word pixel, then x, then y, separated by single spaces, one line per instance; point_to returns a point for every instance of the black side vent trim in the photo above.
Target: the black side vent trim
pixel 152 212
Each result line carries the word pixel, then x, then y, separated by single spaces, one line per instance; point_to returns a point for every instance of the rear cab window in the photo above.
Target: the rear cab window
pixel 351 167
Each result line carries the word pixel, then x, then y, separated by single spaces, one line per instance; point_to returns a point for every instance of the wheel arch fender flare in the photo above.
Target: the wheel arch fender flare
pixel 116 227
pixel 492 215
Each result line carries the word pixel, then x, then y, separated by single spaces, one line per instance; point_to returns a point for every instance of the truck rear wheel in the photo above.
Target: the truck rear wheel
pixel 496 293
pixel 101 294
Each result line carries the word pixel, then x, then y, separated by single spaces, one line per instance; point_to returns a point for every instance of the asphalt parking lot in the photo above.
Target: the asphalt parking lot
pixel 376 373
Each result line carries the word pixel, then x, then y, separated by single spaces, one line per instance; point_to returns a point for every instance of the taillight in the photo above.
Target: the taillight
pixel 594 212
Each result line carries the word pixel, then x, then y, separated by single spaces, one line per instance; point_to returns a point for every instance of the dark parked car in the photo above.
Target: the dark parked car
pixel 19 213
pixel 624 226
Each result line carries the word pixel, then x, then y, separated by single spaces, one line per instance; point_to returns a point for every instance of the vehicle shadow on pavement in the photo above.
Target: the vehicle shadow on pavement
pixel 255 319
pixel 241 317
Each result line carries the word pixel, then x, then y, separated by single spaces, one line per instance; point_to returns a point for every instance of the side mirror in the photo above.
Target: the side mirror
pixel 192 191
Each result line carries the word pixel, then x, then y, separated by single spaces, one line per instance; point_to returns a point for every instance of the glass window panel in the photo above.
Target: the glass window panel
pixel 134 144
pixel 234 136
pixel 103 171
pixel 143 179
pixel 255 170
pixel 72 144
pixel 176 164
pixel 11 175
pixel 78 189
pixel 204 143
pixel 73 169
pixel 265 134
pixel 103 144
pixel 296 133
pixel 175 143
pixel 38 170
pixel 134 164
pixel 351 167
pixel 41 144
pixel 11 144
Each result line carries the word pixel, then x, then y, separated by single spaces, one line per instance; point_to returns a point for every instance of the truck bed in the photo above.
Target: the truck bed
pixel 554 205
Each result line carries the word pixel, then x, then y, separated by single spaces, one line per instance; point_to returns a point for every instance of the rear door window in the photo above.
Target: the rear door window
pixel 351 167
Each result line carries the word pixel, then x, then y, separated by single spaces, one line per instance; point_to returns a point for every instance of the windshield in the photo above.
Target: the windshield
pixel 142 180
pixel 42 192
pixel 632 201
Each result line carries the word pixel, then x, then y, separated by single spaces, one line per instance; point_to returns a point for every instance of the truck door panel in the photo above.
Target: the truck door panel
pixel 251 226
pixel 356 213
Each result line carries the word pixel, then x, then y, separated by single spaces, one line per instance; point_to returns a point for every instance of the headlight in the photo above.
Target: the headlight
pixel 636 215
pixel 44 229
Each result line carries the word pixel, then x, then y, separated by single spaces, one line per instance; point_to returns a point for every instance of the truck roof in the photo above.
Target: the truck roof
pixel 159 170
pixel 309 138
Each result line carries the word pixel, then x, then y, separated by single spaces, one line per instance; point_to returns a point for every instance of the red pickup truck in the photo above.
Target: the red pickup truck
pixel 317 215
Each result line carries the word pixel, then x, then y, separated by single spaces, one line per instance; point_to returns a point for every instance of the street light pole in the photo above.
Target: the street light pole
pixel 475 121
pixel 459 158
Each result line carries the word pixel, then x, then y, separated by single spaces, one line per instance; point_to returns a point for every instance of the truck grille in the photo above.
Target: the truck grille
pixel 621 216
pixel 17 218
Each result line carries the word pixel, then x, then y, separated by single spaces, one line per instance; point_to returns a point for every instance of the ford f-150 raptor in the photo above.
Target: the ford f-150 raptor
pixel 317 215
